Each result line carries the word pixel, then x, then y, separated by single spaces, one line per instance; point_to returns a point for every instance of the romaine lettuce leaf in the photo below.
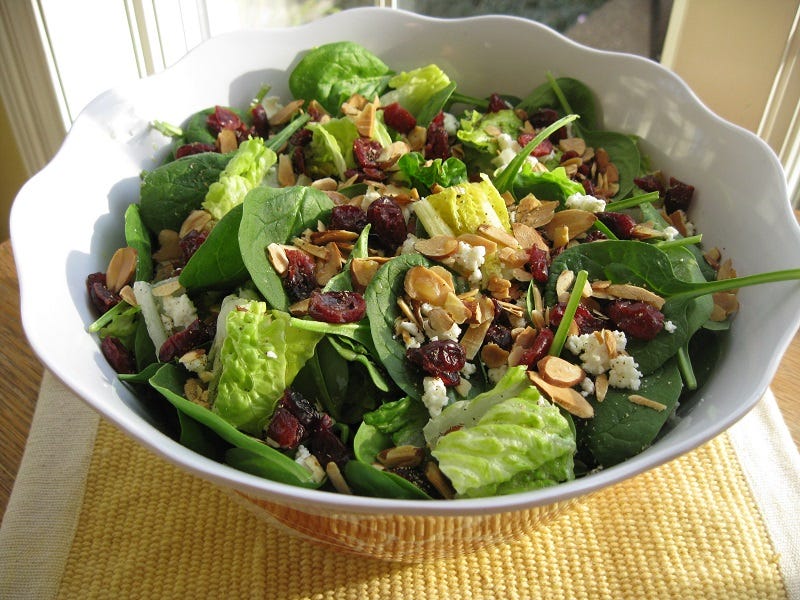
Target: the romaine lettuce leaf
pixel 505 440
pixel 475 126
pixel 331 150
pixel 462 209
pixel 260 357
pixel 413 90
pixel 246 170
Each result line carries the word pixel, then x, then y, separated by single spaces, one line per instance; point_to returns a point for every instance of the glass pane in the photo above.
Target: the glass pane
pixel 634 26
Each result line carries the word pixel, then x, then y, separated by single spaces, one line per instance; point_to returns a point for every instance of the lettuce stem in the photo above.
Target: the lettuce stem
pixel 632 201
pixel 686 369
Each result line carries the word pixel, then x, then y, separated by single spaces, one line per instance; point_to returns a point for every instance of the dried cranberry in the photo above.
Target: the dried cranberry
pixel 543 117
pixel 337 307
pixel 416 476
pixel 538 261
pixel 302 408
pixel 366 152
pixel 301 137
pixel 678 196
pixel 636 319
pixel 326 446
pixel 440 358
pixel 191 242
pixel 543 149
pixel 650 183
pixel 261 125
pixel 539 348
pixel 223 118
pixel 299 160
pixel 388 227
pixel 496 104
pixel 102 298
pixel 500 335
pixel 285 429
pixel 194 148
pixel 569 154
pixel 118 356
pixel 620 224
pixel 398 118
pixel 299 280
pixel 437 142
pixel 583 318
pixel 348 217
pixel 588 186
pixel 195 334
pixel 595 236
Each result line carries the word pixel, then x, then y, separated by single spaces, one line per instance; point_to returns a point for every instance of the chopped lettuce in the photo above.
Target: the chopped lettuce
pixel 475 128
pixel 246 170
pixel 330 153
pixel 546 185
pixel 413 90
pixel 462 209
pixel 505 440
pixel 259 358
pixel 402 420
pixel 423 174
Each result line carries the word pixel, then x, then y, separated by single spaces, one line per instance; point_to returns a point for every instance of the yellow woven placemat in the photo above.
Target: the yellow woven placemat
pixel 689 529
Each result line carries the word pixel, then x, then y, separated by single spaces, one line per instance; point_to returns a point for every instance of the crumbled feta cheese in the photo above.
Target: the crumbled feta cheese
pixel 587 387
pixel 451 334
pixel 670 233
pixel 301 454
pixel 408 245
pixel 623 373
pixel 415 336
pixel 271 104
pixel 179 309
pixel 670 326
pixel 470 259
pixel 451 124
pixel 496 374
pixel 509 148
pixel 468 370
pixel 586 202
pixel 592 350
pixel 271 354
pixel 434 395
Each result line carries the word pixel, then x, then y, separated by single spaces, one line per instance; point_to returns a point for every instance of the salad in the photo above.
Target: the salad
pixel 382 286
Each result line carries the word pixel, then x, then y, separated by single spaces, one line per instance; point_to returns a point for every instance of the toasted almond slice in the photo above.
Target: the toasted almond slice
pixel 326 184
pixel 330 265
pixel 499 287
pixel 727 301
pixel 566 397
pixel 286 176
pixel 309 248
pixel 537 318
pixel 472 340
pixel 578 221
pixel 726 270
pixel 446 275
pixel 456 308
pixel 601 387
pixel 439 480
pixel 522 342
pixel 634 292
pixel 610 342
pixel 166 288
pixel 168 246
pixel 197 220
pixel 514 258
pixel 564 284
pixel 512 309
pixel 440 319
pixel 528 237
pixel 499 235
pixel 473 239
pixel 560 372
pixel 121 268
pixel 425 285
pixel 406 311
pixel 278 258
pixel 416 138
pixel 494 356
pixel 286 113
pixel 642 401
pixel 337 479
pixel 300 308
pixel 365 121
pixel 535 213
pixel 575 144
pixel 333 235
pixel 439 246
pixel 226 141
pixel 362 270
pixel 401 456
pixel 126 293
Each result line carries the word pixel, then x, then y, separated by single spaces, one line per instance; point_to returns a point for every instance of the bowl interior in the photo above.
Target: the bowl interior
pixel 67 220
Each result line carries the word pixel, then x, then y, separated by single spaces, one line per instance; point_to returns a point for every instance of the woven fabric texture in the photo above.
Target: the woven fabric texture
pixel 689 529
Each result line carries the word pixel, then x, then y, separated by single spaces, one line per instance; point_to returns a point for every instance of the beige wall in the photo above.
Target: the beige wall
pixel 12 171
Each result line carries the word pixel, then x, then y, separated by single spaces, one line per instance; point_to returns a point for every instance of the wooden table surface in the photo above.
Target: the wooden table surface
pixel 21 373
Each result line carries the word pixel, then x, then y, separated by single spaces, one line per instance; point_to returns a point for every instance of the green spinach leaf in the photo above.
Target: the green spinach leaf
pixel 581 100
pixel 138 238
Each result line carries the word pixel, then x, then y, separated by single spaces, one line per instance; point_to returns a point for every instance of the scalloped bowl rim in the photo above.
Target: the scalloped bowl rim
pixel 26 215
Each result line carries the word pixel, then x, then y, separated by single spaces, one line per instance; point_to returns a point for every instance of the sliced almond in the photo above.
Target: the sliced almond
pixel 226 141
pixel 499 287
pixel 610 343
pixel 121 268
pixel 439 480
pixel 365 121
pixel 473 239
pixel 333 235
pixel 126 293
pixel 286 176
pixel 300 308
pixel 456 308
pixel 362 270
pixel 326 184
pixel 440 320
pixel 574 144
pixel 446 275
pixel 564 284
pixel 198 220
pixel 337 479
pixel 439 246
pixel 424 285
pixel 401 456
pixel 494 356
pixel 168 246
pixel 634 292
pixel 497 234
pixel 309 248
pixel 566 397
pixel 535 213
pixel 166 288
pixel 472 340
pixel 417 137
pixel 726 270
pixel 278 258
pixel 285 114
pixel 528 237
pixel 601 387
pixel 578 221
pixel 560 372
pixel 560 236
pixel 330 266
pixel 642 401
pixel 522 342
pixel 513 257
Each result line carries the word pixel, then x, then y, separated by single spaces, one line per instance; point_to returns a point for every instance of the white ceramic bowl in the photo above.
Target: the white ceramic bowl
pixel 67 220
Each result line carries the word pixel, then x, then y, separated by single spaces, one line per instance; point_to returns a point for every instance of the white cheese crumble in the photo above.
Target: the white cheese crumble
pixel 451 124
pixel 587 387
pixel 415 336
pixel 301 454
pixel 586 202
pixel 670 327
pixel 469 259
pixel 179 309
pixel 468 370
pixel 408 245
pixel 670 233
pixel 451 334
pixel 496 374
pixel 508 148
pixel 434 395
pixel 624 373
pixel 593 352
